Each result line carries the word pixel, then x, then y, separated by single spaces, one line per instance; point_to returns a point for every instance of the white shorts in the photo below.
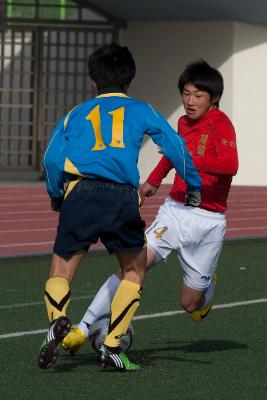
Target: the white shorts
pixel 195 234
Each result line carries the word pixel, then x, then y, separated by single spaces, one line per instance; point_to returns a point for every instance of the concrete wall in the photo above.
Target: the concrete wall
pixel 162 49
pixel 250 102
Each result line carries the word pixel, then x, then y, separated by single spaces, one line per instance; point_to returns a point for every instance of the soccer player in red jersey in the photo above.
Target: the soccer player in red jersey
pixel 195 233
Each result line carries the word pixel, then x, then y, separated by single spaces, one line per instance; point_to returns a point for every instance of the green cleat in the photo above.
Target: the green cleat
pixel 115 358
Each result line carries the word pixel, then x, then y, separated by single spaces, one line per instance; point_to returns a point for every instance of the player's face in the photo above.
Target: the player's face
pixel 196 102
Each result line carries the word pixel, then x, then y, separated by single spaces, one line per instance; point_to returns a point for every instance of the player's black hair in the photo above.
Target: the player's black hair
pixel 203 77
pixel 111 65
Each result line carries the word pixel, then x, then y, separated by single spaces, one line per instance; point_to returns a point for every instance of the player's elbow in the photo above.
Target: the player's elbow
pixel 234 167
pixel 231 167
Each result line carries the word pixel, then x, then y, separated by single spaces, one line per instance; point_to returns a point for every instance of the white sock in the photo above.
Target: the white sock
pixel 101 303
pixel 209 293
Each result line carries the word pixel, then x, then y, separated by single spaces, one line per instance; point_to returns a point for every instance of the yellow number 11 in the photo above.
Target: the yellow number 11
pixel 117 128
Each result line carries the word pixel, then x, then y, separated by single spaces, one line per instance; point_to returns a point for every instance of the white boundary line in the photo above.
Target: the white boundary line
pixel 216 307
pixel 140 317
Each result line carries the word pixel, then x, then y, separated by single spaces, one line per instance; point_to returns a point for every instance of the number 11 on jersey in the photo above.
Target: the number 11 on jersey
pixel 117 128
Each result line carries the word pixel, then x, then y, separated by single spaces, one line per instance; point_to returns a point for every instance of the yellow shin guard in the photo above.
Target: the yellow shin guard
pixel 57 297
pixel 123 307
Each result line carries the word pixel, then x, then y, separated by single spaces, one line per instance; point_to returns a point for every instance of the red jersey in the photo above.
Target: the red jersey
pixel 211 142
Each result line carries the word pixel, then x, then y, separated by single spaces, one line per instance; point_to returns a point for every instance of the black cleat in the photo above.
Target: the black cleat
pixel 49 349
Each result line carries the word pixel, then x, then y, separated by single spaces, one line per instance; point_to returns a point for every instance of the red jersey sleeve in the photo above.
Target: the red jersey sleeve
pixel 160 171
pixel 225 161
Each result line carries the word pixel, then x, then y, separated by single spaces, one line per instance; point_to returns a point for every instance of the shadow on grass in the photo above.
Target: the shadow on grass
pixel 209 346
pixel 149 357
pixel 146 357
pixel 67 362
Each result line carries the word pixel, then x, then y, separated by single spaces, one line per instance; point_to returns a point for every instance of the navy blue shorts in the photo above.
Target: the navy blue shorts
pixel 100 210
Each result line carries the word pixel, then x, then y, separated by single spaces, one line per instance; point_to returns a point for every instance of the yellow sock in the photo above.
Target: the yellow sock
pixel 123 307
pixel 57 297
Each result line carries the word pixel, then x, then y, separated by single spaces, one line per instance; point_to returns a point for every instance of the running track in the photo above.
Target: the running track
pixel 27 225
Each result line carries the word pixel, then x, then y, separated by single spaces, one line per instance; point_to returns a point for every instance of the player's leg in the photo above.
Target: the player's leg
pixel 207 301
pixel 160 238
pixel 201 238
pixel 197 302
pixel 103 298
pixel 102 301
pixel 161 235
pixel 57 289
pixel 160 242
pixel 123 234
pixel 57 298
pixel 74 235
pixel 99 306
pixel 123 307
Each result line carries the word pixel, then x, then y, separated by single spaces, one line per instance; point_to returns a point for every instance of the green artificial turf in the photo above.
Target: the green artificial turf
pixel 221 358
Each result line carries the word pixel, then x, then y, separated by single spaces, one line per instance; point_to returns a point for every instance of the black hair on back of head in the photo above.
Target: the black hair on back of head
pixel 111 65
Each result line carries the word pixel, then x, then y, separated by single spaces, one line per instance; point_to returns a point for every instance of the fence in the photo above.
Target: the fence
pixel 43 74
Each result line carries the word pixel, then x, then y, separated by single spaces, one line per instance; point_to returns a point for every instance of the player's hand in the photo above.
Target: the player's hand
pixel 56 203
pixel 147 190
pixel 192 199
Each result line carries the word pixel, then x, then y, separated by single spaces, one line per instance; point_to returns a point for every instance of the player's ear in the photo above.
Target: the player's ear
pixel 132 83
pixel 128 85
pixel 94 84
pixel 215 101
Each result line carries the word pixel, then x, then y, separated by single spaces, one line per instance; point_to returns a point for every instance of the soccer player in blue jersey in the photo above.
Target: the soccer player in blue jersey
pixel 95 149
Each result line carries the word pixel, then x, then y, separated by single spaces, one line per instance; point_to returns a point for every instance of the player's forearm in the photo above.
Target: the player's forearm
pixel 160 172
pixel 54 173
pixel 53 163
pixel 182 162
pixel 173 148
pixel 217 166
pixel 54 182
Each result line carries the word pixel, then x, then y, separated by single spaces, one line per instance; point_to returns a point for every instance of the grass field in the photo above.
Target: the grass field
pixel 222 358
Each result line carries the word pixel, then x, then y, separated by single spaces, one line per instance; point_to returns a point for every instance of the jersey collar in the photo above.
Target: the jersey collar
pixel 209 115
pixel 111 94
pixel 111 91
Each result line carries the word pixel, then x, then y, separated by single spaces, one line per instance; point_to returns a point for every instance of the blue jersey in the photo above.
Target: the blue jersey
pixel 102 137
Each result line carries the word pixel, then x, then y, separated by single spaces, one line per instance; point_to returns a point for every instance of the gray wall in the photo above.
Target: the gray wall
pixel 239 51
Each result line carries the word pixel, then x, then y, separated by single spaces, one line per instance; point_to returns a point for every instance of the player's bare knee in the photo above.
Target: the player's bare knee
pixel 189 305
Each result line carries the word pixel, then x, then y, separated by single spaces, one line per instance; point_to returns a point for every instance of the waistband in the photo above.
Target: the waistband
pixel 197 210
pixel 87 184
